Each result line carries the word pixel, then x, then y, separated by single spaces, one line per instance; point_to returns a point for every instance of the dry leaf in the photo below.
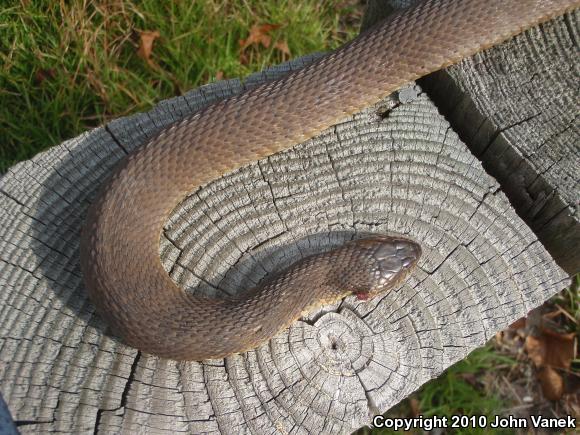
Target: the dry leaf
pixel 536 349
pixel 518 324
pixel 219 75
pixel 259 35
pixel 146 39
pixel 551 382
pixel 551 349
pixel 282 46
pixel 560 349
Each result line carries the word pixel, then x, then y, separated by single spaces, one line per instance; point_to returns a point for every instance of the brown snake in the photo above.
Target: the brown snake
pixel 120 241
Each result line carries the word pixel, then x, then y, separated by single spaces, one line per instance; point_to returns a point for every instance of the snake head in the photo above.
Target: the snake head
pixel 379 263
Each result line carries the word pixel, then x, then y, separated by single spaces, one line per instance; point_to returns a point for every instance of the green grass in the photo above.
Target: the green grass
pixel 569 300
pixel 460 390
pixel 454 392
pixel 69 66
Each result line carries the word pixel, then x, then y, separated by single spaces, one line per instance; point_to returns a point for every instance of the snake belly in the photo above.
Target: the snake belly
pixel 120 239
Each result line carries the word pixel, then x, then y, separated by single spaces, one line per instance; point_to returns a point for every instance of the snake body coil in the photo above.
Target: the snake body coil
pixel 120 241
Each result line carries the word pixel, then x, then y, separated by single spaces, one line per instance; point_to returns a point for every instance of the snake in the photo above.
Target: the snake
pixel 119 245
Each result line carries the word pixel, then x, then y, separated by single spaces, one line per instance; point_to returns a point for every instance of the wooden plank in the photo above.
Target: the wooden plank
pixel 396 167
pixel 517 107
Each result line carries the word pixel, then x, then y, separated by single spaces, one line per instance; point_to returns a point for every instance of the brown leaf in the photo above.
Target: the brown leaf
pixel 536 349
pixel 518 324
pixel 551 349
pixel 219 75
pixel 146 39
pixel 259 34
pixel 560 349
pixel 551 382
pixel 283 47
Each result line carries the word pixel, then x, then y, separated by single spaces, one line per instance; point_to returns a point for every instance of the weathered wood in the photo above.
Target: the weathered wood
pixel 397 167
pixel 517 107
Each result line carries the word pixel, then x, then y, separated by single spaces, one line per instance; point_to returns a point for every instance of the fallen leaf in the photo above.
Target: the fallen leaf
pixel 560 349
pixel 551 349
pixel 518 324
pixel 146 39
pixel 536 349
pixel 282 46
pixel 551 382
pixel 259 34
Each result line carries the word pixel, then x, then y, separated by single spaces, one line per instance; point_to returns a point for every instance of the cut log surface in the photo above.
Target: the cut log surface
pixel 396 167
pixel 517 107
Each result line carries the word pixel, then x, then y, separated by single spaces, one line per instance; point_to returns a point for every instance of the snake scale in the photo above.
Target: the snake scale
pixel 120 239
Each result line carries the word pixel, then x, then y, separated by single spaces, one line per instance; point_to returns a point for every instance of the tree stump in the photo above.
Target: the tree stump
pixel 517 107
pixel 397 167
